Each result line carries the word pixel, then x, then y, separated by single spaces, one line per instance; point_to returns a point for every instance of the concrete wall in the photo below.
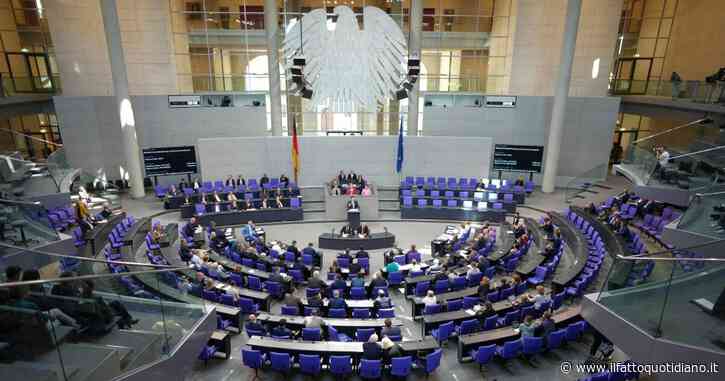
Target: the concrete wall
pixel 589 126
pixel 91 131
pixel 695 49
pixel 323 157
pixel 538 40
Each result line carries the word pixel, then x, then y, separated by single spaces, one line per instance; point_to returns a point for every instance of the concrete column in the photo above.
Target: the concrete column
pixel 561 93
pixel 416 37
pixel 271 16
pixel 119 76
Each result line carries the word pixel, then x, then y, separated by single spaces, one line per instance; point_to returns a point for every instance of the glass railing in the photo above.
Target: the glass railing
pixel 96 326
pixel 705 214
pixel 25 223
pixel 696 151
pixel 666 306
pixel 688 91
pixel 24 85
pixel 580 185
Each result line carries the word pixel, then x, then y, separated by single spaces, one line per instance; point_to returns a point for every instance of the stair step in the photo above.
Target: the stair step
pixel 602 186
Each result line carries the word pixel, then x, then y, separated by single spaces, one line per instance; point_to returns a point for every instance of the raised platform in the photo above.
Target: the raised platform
pixel 643 187
pixel 374 242
pixel 238 217
pixel 452 214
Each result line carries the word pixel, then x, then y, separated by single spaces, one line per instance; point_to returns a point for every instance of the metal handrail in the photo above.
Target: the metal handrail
pixel 86 277
pixel 41 252
pixel 697 152
pixel 635 258
pixel 18 202
pixel 710 194
pixel 703 120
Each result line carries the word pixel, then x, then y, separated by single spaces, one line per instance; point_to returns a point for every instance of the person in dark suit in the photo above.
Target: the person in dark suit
pixel 345 255
pixel 371 349
pixel 283 181
pixel 362 254
pixel 353 204
pixel 316 282
pixel 338 284
pixel 183 184
pixel 346 230
pixel 389 329
pixel 229 182
pixel 239 181
pixel 263 180
pixel 364 231
pixel 254 325
pixel 355 267
pixel 337 301
pixel 291 300
pixel 281 330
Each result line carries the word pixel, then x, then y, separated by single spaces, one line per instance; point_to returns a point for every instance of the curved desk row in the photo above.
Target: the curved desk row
pixel 175 202
pixel 327 348
pixel 454 214
pixel 348 324
pixel 575 241
pixel 533 259
pixel 373 242
pixel 239 217
pixel 467 343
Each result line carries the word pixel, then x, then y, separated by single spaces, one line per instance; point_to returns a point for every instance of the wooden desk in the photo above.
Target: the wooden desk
pixel 329 348
pixel 232 313
pixel 351 303
pixel 343 323
pixel 262 297
pixel 222 340
pixel 466 343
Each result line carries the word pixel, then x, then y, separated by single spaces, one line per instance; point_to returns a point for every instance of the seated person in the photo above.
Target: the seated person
pixel 278 201
pixel 528 327
pixel 392 267
pixel 429 299
pixel 549 250
pixel 315 300
pixel 281 330
pixel 316 282
pixel 540 297
pixel 337 301
pixel 249 231
pixel 106 212
pixel 371 349
pixel 173 191
pixel 547 226
pixel 283 181
pixel 346 231
pixel 364 231
pixel 314 321
pixel 233 200
pixel 290 300
pixel 366 191
pixel 378 281
pixel 358 280
pixel 484 310
pixel 355 267
pixel 265 203
pixel 126 320
pixel 519 182
pixel 382 301
pixel 21 299
pixel 390 330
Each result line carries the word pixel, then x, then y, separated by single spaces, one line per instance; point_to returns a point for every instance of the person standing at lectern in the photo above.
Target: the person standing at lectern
pixel 353 204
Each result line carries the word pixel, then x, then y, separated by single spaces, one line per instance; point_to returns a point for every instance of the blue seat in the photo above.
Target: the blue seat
pixel 371 369
pixel 431 362
pixel 510 349
pixel 254 283
pixel 401 366
pixel 207 353
pixel 310 364
pixel 459 283
pixel 440 286
pixel 469 326
pixel 340 365
pixel 483 355
pixel 290 310
pixel 281 362
pixel 470 301
pixel 432 309
pixel 575 330
pixel 227 300
pixel 538 277
pixel 358 293
pixel 443 332
pixel 247 306
pixel 253 359
pixel 311 334
pixel 337 313
pixel 363 334
pixel 274 289
pixel 421 288
pixel 361 313
pixel 333 335
pixel 454 305
pixel 532 345
pixel 386 313
pixel 395 278
pixel 555 339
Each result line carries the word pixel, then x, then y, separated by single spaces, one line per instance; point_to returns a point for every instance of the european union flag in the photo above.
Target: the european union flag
pixel 399 164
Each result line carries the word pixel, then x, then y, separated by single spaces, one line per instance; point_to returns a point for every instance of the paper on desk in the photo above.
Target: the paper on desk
pixel 470 312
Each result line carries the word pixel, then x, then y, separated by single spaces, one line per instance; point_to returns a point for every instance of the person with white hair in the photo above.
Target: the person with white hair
pixel 430 298
pixel 371 349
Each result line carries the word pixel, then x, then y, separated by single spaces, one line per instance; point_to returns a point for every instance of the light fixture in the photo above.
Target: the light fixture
pixel 43 130
pixel 595 68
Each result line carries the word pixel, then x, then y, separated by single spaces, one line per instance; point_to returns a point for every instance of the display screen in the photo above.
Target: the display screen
pixel 513 158
pixel 169 161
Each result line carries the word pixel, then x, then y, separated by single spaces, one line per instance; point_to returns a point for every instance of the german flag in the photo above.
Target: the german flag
pixel 295 151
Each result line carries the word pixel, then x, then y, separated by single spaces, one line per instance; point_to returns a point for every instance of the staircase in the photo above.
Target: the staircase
pixel 389 202
pixel 313 203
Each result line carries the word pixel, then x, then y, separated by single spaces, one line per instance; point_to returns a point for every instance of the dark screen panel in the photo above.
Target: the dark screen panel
pixel 169 160
pixel 514 158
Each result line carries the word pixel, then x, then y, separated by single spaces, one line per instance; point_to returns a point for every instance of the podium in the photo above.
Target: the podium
pixel 353 218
